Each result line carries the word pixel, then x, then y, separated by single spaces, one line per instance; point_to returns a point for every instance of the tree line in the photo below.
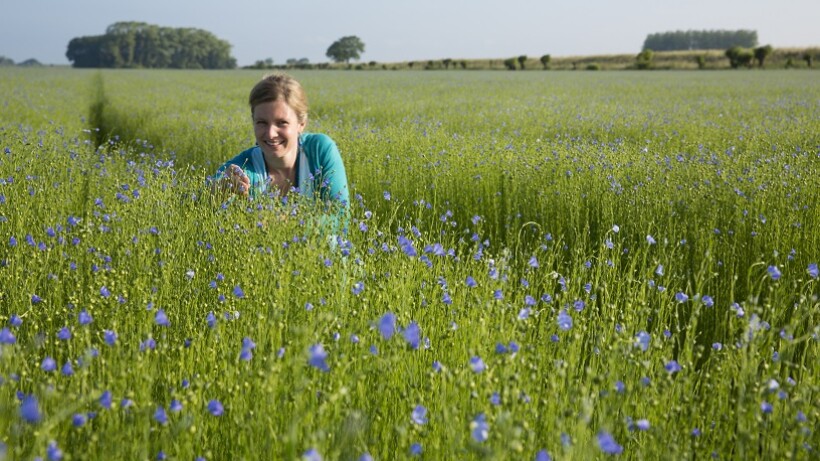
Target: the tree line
pixel 700 40
pixel 6 61
pixel 138 44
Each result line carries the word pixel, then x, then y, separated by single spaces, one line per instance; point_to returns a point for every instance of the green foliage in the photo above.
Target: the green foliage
pixel 4 61
pixel 545 61
pixel 593 66
pixel 808 57
pixel 644 59
pixel 509 63
pixel 700 40
pixel 761 53
pixel 739 56
pixel 345 49
pixel 522 60
pixel 701 60
pixel 137 44
pixel 446 62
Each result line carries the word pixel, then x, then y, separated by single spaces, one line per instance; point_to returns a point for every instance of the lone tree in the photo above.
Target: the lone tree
pixel 521 60
pixel 739 56
pixel 644 59
pixel 545 61
pixel 808 58
pixel 762 52
pixel 509 63
pixel 345 49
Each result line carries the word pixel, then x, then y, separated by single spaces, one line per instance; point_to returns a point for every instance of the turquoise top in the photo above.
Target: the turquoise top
pixel 319 168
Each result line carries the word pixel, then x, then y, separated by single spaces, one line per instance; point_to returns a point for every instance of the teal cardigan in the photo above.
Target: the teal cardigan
pixel 319 169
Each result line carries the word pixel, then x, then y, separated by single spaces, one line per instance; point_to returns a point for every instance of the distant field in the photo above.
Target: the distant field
pixel 562 264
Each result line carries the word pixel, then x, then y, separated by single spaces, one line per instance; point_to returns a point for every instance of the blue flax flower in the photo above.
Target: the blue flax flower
pixel 176 406
pixel 161 319
pixel 707 301
pixel 357 288
pixel 30 410
pixel 215 407
pixel 311 455
pixel 160 416
pixel 419 415
pixel 412 335
pixel 64 334
pixel 105 400
pixel 774 272
pixel 564 321
pixel 642 424
pixel 7 337
pixel 110 337
pixel 479 428
pixel 15 320
pixel 148 344
pixel 237 291
pixel 813 271
pixel 415 449
pixel 672 367
pixel 542 455
pixel 84 317
pixel 608 444
pixel 67 369
pixel 477 365
pixel 79 419
pixel 387 325
pixel 642 340
pixel 317 357
pixel 48 365
pixel 53 452
pixel 766 407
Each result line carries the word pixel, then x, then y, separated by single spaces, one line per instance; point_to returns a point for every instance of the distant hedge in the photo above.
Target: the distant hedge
pixel 700 40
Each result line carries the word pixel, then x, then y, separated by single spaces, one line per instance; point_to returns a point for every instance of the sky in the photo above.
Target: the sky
pixel 407 30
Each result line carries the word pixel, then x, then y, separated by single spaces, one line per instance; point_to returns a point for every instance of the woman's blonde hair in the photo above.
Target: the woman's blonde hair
pixel 281 87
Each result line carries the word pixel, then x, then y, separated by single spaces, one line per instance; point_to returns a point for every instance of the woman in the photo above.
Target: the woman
pixel 285 158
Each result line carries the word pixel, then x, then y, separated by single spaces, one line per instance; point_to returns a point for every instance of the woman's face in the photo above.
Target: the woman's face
pixel 277 129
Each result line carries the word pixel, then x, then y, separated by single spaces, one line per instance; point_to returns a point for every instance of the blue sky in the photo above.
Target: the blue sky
pixel 407 30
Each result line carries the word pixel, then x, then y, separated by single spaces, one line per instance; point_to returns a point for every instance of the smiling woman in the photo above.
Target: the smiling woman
pixel 285 158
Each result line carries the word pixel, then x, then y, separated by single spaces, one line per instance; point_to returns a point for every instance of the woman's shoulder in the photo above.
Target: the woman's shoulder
pixel 317 140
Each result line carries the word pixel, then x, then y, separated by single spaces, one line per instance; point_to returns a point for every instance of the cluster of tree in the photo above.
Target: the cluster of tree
pixel 739 56
pixel 700 40
pixel 522 62
pixel 4 61
pixel 137 44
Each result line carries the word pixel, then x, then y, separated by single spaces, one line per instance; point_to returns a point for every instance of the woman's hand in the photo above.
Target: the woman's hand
pixel 236 181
